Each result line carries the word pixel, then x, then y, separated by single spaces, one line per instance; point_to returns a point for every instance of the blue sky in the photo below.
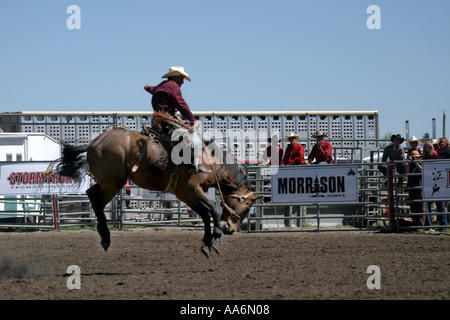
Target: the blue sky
pixel 246 55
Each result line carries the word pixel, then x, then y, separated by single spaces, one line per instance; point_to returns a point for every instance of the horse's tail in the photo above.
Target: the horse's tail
pixel 72 161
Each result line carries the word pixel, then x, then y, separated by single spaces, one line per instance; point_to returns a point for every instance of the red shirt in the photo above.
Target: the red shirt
pixel 268 154
pixel 321 154
pixel 294 154
pixel 167 97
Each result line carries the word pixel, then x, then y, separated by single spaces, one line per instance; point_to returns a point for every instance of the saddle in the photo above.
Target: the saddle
pixel 165 128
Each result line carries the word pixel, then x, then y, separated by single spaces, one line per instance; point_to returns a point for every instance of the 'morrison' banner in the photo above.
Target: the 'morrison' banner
pixel 30 178
pixel 315 184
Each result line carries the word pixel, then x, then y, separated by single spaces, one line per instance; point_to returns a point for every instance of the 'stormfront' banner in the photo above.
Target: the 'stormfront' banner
pixel 315 184
pixel 29 178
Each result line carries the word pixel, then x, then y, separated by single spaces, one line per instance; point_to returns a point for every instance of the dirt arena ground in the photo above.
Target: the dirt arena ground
pixel 166 264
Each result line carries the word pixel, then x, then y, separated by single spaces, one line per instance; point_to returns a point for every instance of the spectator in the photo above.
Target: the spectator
pixel 276 157
pixel 444 153
pixel 414 143
pixel 322 151
pixel 435 144
pixel 294 154
pixel 415 193
pixel 394 152
pixel 428 151
pixel 128 193
pixel 443 144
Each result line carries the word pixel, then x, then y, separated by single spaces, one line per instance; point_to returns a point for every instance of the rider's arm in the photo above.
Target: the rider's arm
pixel 149 88
pixel 182 106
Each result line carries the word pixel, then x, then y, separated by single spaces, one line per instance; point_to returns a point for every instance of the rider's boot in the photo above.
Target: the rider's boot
pixel 198 165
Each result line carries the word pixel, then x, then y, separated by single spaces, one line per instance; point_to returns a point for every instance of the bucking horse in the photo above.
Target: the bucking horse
pixel 119 154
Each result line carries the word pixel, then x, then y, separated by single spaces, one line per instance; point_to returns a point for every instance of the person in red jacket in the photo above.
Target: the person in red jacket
pixel 294 153
pixel 167 95
pixel 167 98
pixel 277 156
pixel 322 150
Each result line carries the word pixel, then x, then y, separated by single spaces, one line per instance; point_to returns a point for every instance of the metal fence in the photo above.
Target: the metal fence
pixel 382 204
pixel 434 214
pixel 46 211
pixel 370 212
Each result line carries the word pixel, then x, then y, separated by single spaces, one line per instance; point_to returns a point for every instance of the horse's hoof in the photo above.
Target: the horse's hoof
pixel 215 246
pixel 104 245
pixel 205 251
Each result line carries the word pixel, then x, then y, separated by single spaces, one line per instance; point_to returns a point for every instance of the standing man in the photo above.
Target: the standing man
pixel 167 98
pixel 394 152
pixel 294 154
pixel 322 150
pixel 415 145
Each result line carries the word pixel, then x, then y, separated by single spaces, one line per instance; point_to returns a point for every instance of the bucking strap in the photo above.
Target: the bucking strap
pixel 127 152
pixel 141 156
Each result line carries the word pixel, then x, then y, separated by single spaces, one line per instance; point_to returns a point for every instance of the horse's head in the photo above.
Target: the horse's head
pixel 236 208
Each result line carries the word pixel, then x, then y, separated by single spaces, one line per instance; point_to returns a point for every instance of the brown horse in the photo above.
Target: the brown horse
pixel 113 158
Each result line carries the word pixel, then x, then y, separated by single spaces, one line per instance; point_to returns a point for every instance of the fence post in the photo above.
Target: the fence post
pixel 55 211
pixel 392 219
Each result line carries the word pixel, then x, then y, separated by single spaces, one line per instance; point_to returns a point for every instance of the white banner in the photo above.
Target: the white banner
pixel 436 179
pixel 29 178
pixel 315 184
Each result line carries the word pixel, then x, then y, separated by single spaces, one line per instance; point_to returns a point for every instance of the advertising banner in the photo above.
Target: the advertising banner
pixel 436 179
pixel 29 178
pixel 315 184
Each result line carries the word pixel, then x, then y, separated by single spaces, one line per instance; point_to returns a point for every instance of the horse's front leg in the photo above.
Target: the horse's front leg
pixel 217 233
pixel 210 240
pixel 207 236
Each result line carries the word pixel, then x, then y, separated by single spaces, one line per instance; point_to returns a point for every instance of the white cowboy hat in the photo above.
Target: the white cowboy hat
pixel 319 133
pixel 291 135
pixel 434 141
pixel 412 139
pixel 176 71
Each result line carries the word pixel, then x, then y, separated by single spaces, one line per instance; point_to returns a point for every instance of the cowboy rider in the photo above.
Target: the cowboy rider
pixel 167 98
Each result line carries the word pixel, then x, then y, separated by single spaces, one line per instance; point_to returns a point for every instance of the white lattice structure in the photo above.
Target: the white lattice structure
pixel 242 133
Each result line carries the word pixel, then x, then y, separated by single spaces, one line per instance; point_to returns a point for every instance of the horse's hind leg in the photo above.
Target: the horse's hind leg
pixel 99 197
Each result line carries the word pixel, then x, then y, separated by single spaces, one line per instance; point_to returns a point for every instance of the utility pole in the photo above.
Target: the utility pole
pixel 407 129
pixel 443 124
pixel 433 128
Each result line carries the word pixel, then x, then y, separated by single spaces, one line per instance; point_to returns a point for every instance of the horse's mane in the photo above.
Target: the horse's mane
pixel 229 168
pixel 238 174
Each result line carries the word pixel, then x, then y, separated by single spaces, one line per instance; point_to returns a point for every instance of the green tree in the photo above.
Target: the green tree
pixel 387 136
